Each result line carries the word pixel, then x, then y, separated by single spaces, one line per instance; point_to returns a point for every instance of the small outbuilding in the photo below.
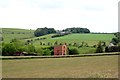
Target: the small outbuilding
pixel 60 50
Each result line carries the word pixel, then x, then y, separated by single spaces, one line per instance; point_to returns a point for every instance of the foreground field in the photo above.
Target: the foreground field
pixel 77 67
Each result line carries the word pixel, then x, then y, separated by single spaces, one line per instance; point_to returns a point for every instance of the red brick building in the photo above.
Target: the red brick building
pixel 60 50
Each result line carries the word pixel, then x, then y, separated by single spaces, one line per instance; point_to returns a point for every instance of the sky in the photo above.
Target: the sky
pixel 96 15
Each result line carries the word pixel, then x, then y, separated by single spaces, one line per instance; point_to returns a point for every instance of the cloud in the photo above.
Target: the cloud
pixel 98 16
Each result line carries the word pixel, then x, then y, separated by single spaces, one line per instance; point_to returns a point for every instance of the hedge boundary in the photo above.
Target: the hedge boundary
pixel 60 56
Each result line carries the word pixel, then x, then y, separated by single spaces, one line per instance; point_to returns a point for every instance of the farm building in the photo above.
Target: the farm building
pixel 60 50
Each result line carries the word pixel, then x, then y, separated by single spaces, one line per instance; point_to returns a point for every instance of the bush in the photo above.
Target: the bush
pixel 73 51
pixel 99 48
pixel 31 48
pixel 106 49
pixel 56 43
pixel 47 52
pixel 28 48
pixel 9 49
pixel 112 49
pixel 39 51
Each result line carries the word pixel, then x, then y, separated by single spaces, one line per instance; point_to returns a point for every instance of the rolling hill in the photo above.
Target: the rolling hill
pixel 11 33
pixel 89 39
pixel 23 34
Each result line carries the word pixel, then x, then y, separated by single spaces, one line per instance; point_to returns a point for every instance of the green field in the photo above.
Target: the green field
pixel 12 33
pixel 23 34
pixel 91 39
pixel 77 67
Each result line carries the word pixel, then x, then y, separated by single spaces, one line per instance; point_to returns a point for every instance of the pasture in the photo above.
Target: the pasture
pixel 77 67
pixel 91 39
pixel 12 33
pixel 23 34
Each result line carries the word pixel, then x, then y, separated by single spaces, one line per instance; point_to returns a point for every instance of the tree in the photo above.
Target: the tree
pixel 106 49
pixel 51 48
pixel 56 43
pixel 31 48
pixel 40 43
pixel 44 31
pixel 47 52
pixel 48 43
pixel 116 40
pixel 75 44
pixel 117 35
pixel 39 51
pixel 9 49
pixel 18 44
pixel 99 48
pixel 77 30
pixel 14 40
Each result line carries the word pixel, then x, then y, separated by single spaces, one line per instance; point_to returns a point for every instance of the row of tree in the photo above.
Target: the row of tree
pixel 16 46
pixel 77 30
pixel 44 31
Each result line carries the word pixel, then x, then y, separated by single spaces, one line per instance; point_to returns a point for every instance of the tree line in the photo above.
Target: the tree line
pixel 77 30
pixel 17 46
pixel 44 31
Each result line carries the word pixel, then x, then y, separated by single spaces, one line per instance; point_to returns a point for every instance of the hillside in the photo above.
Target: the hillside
pixel 85 43
pixel 11 33
pixel 91 39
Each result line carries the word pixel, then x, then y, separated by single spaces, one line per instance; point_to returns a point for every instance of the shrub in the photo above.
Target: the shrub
pixel 99 48
pixel 94 46
pixel 40 43
pixel 73 51
pixel 39 51
pixel 47 52
pixel 31 48
pixel 56 43
pixel 9 49
pixel 48 43
pixel 113 49
pixel 106 49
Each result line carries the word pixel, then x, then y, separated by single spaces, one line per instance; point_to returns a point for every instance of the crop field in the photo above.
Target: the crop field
pixel 77 67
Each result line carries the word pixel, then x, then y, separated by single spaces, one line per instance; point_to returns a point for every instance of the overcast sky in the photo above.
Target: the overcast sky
pixel 96 15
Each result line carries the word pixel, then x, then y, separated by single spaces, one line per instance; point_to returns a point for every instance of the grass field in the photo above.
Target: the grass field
pixel 91 39
pixel 24 35
pixel 77 67
pixel 11 33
